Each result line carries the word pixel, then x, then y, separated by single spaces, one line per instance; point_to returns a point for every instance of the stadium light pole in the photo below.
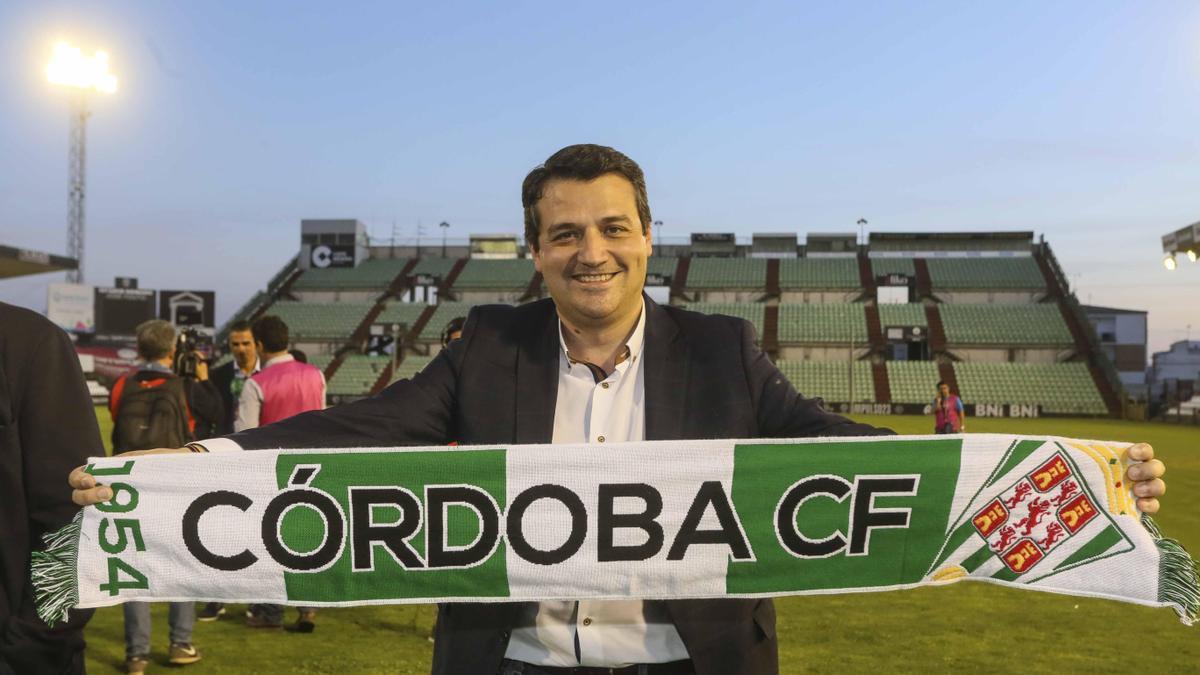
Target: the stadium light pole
pixel 862 224
pixel 658 225
pixel 81 74
pixel 445 226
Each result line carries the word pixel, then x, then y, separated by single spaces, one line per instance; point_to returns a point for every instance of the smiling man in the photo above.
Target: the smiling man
pixel 597 363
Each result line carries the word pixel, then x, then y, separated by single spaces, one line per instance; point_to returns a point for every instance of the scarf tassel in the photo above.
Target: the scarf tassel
pixel 1178 575
pixel 53 572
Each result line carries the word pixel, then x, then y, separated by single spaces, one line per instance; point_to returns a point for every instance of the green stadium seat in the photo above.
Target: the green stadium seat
pixel 882 266
pixel 441 316
pixel 911 314
pixel 403 313
pixel 1034 324
pixel 727 273
pixel 819 273
pixel 985 273
pixel 750 311
pixel 321 321
pixel 411 365
pixel 1064 388
pixel 660 265
pixel 500 275
pixel 357 374
pixel 830 380
pixel 912 381
pixel 434 265
pixel 822 324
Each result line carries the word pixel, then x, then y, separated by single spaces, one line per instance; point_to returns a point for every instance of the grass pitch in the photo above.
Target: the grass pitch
pixel 965 627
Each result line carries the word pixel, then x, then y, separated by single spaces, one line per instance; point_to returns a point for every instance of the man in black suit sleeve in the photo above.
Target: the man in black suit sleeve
pixel 47 426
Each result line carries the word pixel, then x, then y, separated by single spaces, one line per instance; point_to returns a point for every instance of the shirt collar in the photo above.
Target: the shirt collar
pixel 238 372
pixel 633 345
pixel 155 366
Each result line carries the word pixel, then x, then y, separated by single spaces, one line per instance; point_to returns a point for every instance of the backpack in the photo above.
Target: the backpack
pixel 150 412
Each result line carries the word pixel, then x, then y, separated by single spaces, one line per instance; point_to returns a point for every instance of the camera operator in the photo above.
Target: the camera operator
pixel 191 364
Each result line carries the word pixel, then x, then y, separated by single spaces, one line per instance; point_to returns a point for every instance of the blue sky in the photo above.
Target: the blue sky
pixel 235 120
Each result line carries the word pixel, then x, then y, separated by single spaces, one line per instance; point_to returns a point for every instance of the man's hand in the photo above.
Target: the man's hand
pixel 201 367
pixel 87 491
pixel 1146 477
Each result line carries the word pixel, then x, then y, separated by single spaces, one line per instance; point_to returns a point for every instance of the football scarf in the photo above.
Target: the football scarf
pixel 652 520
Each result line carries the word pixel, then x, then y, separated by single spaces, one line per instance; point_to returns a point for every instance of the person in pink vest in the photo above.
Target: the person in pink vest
pixel 282 388
pixel 948 411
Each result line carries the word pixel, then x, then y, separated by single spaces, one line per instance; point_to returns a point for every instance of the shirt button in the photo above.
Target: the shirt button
pixel 587 621
pixel 604 385
pixel 600 439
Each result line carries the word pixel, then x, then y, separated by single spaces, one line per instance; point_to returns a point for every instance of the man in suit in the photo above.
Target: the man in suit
pixel 599 362
pixel 230 377
pixel 47 423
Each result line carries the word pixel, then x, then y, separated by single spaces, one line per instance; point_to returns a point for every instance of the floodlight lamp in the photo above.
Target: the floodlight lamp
pixel 1191 254
pixel 1169 262
pixel 70 68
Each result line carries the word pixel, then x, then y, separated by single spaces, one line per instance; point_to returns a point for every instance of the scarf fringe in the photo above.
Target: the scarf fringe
pixel 1178 575
pixel 55 582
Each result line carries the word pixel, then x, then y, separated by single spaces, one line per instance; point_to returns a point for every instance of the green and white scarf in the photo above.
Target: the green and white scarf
pixel 653 520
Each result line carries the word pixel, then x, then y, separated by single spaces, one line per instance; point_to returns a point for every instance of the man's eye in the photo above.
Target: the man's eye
pixel 563 236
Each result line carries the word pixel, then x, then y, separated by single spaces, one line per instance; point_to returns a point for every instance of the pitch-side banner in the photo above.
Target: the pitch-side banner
pixel 669 519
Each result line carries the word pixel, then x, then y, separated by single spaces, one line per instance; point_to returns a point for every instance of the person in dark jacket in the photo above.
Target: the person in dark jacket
pixel 47 424
pixel 229 378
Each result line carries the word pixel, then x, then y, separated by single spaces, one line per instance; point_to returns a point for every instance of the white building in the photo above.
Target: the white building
pixel 1123 337
pixel 1174 373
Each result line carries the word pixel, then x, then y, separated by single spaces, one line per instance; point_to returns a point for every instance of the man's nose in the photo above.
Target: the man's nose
pixel 593 249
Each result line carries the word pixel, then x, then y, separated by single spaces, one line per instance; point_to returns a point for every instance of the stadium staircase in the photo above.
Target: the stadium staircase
pixel 773 290
pixel 875 329
pixel 1082 332
pixel 385 378
pixel 419 326
pixel 534 290
pixel 770 336
pixel 946 374
pixel 937 331
pixel 448 281
pixel 924 281
pixel 679 281
pixel 883 389
pixel 865 277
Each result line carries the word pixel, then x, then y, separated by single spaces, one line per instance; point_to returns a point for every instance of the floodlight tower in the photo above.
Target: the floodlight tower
pixel 70 68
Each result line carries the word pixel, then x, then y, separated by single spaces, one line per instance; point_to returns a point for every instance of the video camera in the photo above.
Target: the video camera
pixel 190 347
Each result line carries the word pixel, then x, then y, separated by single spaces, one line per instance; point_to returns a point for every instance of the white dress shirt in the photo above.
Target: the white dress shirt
pixel 588 632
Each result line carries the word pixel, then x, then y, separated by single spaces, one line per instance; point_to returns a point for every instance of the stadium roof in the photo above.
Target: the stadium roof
pixel 18 262
pixel 1111 310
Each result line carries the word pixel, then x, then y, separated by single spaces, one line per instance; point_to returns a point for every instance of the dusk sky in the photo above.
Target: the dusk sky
pixel 1079 121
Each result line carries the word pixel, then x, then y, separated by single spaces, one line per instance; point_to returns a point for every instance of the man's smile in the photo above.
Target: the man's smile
pixel 593 277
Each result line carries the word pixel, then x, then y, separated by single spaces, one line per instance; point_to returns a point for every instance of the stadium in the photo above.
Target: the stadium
pixel 869 328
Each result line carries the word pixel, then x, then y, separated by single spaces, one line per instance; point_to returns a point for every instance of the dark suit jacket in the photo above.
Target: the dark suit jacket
pixel 704 378
pixel 47 428
pixel 221 378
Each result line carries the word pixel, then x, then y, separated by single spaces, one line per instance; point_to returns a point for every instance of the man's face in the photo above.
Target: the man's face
pixel 591 250
pixel 944 390
pixel 241 345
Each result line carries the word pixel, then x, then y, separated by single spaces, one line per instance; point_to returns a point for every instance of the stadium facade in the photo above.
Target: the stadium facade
pixel 868 327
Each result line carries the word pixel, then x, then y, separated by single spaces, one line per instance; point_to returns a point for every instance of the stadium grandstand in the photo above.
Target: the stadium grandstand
pixel 865 326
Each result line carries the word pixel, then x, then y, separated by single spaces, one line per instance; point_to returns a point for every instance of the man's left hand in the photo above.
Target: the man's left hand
pixel 1146 477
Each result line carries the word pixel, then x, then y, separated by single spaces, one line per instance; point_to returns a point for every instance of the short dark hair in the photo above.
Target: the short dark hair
pixel 271 331
pixel 940 383
pixel 581 162
pixel 239 326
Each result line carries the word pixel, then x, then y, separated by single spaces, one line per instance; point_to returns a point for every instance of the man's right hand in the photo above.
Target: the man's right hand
pixel 87 491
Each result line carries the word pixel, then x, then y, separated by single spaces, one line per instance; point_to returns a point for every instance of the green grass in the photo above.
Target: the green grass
pixel 967 627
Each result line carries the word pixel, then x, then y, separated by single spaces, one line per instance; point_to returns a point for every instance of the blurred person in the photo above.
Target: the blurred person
pixel 41 386
pixel 528 374
pixel 229 379
pixel 150 407
pixel 949 415
pixel 453 330
pixel 282 388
